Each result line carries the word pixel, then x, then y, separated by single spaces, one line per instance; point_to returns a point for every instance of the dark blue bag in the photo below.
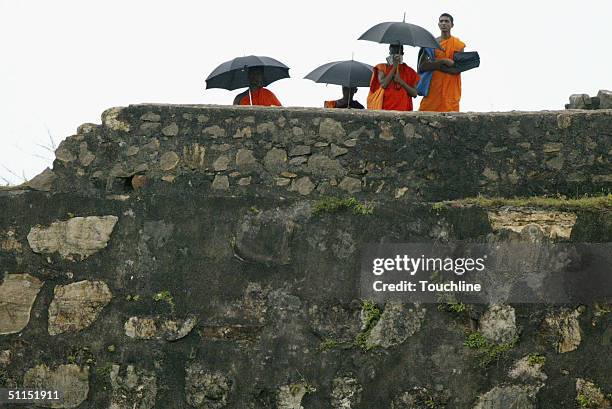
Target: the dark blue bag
pixel 425 76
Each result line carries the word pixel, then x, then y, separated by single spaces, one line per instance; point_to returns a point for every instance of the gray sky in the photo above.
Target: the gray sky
pixel 64 62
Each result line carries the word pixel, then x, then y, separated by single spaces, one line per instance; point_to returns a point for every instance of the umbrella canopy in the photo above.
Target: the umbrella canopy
pixel 233 74
pixel 346 73
pixel 401 33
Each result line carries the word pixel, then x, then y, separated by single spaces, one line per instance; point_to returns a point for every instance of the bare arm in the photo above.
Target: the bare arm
pixel 410 90
pixel 426 64
pixel 385 80
pixel 450 70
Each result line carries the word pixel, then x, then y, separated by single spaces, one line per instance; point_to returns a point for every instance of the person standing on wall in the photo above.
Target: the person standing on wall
pixel 347 95
pixel 397 80
pixel 445 85
pixel 256 94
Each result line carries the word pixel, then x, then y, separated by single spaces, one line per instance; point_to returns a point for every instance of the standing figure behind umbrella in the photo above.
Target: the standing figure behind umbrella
pixel 398 80
pixel 256 94
pixel 347 93
pixel 445 85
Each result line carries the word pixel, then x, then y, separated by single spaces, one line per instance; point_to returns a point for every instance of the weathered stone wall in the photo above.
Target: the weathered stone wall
pixel 174 258
pixel 309 152
pixel 603 100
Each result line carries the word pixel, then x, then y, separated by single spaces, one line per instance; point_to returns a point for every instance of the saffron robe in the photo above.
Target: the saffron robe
pixel 444 89
pixel 395 97
pixel 261 96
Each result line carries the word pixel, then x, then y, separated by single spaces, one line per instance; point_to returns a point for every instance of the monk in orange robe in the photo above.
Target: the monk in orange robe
pixel 445 87
pixel 398 80
pixel 347 95
pixel 258 95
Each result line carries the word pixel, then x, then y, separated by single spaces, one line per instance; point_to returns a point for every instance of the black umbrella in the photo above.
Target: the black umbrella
pixel 348 73
pixel 233 74
pixel 401 33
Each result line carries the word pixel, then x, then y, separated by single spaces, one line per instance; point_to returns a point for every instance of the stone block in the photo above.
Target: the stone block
pixel 17 295
pixel 72 380
pixel 206 389
pixel 579 101
pixel 81 236
pixel 43 181
pixel 397 323
pixel 275 160
pixel 498 324
pixel 169 160
pixel 137 389
pixel 76 306
pixel 346 393
pixel 605 99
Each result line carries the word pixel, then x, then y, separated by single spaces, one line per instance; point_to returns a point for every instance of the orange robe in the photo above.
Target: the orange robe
pixel 261 96
pixel 395 97
pixel 445 89
pixel 329 104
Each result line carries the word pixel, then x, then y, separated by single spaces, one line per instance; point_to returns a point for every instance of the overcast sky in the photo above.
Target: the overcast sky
pixel 64 62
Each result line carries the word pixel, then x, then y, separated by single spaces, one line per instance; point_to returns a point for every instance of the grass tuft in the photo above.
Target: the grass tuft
pixel 372 316
pixel 536 359
pixel 585 402
pixel 334 204
pixel 166 297
pixel 488 351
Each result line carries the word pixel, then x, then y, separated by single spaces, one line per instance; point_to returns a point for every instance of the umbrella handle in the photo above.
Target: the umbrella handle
pixel 348 102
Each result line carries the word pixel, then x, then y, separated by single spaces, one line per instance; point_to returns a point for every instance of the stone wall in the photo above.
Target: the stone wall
pixel 311 152
pixel 185 257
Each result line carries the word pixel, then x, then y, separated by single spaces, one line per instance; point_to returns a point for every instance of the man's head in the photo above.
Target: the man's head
pixel 396 49
pixel 255 75
pixel 445 23
pixel 347 90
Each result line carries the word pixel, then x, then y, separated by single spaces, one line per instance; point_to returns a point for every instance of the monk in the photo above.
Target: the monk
pixel 398 80
pixel 347 95
pixel 445 87
pixel 258 94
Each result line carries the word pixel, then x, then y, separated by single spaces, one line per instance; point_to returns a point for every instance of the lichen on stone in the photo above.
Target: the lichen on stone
pixel 290 396
pixel 17 295
pixel 80 236
pixel 553 224
pixel 206 389
pixel 159 328
pixel 498 324
pixel 134 389
pixel 398 322
pixel 346 392
pixel 72 380
pixel 589 395
pixel 76 306
pixel 505 397
pixel 110 119
pixel 562 329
